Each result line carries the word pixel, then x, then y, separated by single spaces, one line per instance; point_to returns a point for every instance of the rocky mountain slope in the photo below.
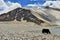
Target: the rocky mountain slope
pixel 39 16
pixel 18 14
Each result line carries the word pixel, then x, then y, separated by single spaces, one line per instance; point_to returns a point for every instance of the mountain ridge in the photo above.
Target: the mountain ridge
pixel 19 13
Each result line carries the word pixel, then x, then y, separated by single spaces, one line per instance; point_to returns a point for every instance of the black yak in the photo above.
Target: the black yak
pixel 46 31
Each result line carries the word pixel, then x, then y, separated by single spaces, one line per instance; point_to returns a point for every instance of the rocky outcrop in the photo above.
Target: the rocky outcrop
pixel 18 14
pixel 47 16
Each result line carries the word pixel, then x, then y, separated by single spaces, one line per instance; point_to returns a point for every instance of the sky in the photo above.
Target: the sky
pixel 25 2
pixel 7 5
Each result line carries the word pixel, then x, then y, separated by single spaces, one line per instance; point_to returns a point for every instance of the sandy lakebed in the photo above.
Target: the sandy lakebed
pixel 26 31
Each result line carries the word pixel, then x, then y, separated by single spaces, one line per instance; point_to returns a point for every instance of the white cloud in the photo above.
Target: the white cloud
pixel 55 4
pixel 34 5
pixel 13 5
pixel 8 6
